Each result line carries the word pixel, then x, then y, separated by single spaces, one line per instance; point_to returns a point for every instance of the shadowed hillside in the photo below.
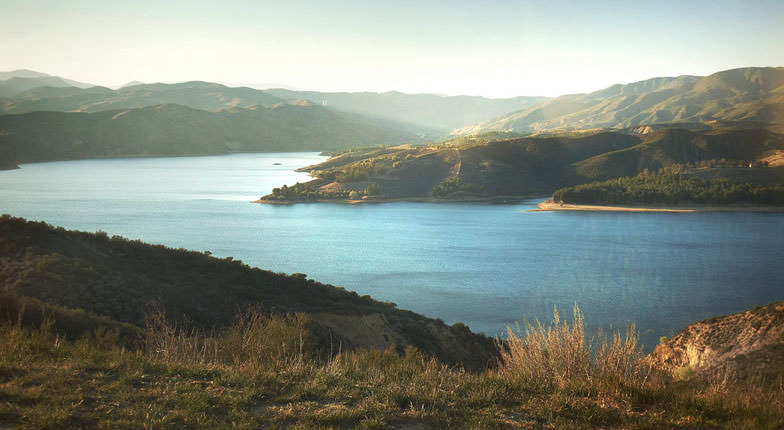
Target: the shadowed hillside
pixel 125 281
pixel 179 130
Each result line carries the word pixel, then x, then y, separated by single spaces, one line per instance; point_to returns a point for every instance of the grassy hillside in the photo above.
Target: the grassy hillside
pixel 179 130
pixel 125 281
pixel 749 95
pixel 499 166
pixel 258 373
pixel 83 344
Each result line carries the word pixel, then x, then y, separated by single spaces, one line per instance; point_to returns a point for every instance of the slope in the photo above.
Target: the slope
pixel 492 167
pixel 179 130
pixel 747 95
pixel 123 280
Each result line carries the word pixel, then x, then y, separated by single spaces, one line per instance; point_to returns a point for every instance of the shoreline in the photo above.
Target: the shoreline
pixel 487 200
pixel 550 206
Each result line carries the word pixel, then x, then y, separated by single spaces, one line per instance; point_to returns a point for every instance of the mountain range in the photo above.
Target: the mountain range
pixel 208 118
pixel 17 81
pixel 748 95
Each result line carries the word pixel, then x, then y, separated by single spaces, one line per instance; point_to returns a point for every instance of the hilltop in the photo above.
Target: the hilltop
pixel 18 81
pixel 752 95
pixel 503 167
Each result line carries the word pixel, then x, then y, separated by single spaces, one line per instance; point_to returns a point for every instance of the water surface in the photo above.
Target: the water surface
pixel 484 265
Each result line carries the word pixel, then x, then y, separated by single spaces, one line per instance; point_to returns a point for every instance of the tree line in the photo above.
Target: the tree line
pixel 669 188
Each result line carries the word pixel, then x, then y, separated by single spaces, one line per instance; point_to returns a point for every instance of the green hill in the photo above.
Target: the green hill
pixel 179 130
pixel 497 166
pixel 749 95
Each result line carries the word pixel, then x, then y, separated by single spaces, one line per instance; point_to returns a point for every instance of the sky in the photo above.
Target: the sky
pixel 493 48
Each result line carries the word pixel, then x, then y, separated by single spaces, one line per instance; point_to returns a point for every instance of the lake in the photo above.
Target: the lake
pixel 484 265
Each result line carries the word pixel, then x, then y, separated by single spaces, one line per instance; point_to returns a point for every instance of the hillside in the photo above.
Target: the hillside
pixel 125 281
pixel 425 110
pixel 500 167
pixel 258 373
pixel 747 95
pixel 683 188
pixel 197 95
pixel 179 130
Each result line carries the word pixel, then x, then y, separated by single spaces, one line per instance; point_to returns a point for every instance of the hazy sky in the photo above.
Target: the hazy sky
pixel 494 48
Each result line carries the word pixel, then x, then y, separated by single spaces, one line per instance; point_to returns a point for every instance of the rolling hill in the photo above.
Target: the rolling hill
pixel 746 95
pixel 499 167
pixel 179 130
pixel 426 114
pixel 197 95
pixel 18 81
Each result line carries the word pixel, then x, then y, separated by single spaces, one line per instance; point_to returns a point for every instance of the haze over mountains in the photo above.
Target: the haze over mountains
pixel 425 110
pixel 208 118
pixel 753 94
pixel 16 81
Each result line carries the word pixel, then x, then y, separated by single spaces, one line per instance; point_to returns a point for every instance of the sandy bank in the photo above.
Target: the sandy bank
pixel 551 206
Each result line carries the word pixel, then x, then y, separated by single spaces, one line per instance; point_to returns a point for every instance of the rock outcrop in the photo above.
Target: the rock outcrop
pixel 747 345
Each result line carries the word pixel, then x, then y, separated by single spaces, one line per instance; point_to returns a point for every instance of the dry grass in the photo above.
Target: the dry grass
pixel 559 355
pixel 254 341
pixel 258 373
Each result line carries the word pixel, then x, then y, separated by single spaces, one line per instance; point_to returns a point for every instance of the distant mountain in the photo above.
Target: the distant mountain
pixel 22 73
pixel 751 95
pixel 500 167
pixel 18 81
pixel 429 110
pixel 131 84
pixel 179 130
pixel 197 95
pixel 429 115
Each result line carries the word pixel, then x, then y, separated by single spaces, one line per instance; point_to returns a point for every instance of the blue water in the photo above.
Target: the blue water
pixel 484 265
